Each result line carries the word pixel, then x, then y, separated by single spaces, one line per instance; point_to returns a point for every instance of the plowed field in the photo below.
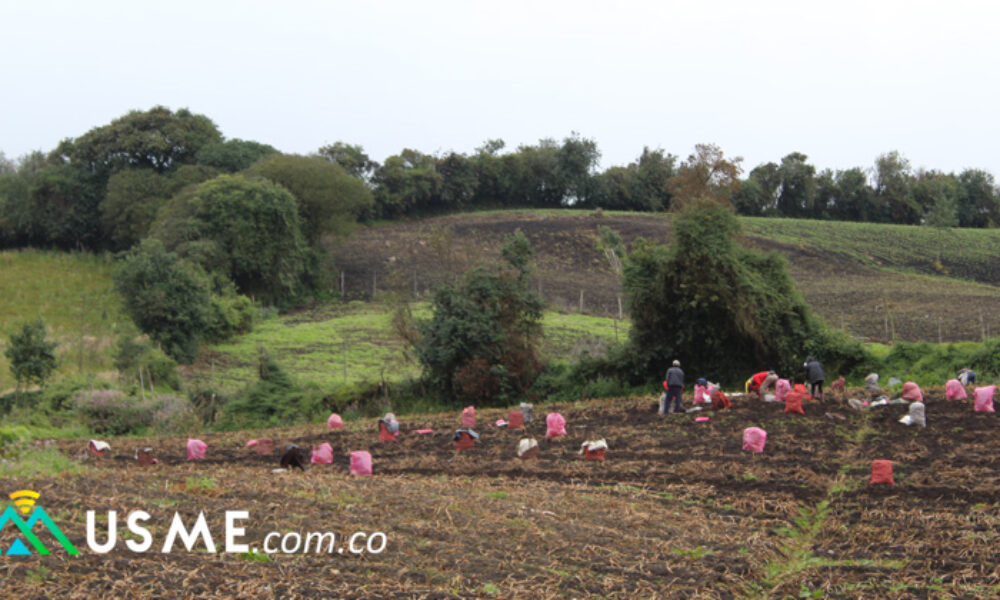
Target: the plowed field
pixel 678 510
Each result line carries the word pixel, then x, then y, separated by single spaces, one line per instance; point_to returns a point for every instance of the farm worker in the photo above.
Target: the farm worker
pixel 966 377
pixel 770 382
pixel 871 385
pixel 753 384
pixel 815 377
pixel 675 385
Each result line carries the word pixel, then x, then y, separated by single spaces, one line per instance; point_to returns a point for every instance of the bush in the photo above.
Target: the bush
pixel 32 357
pixel 168 297
pixel 133 354
pixel 274 400
pixel 111 412
pixel 60 395
pixel 173 414
pixel 722 309
pixel 481 344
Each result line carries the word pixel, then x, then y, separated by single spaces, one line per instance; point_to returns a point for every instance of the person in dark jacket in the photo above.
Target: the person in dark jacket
pixel 815 377
pixel 675 385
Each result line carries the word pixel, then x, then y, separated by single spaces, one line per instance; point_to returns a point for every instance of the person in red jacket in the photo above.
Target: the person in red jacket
pixel 753 384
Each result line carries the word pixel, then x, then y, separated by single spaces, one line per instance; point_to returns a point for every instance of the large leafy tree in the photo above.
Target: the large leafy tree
pixel 233 155
pixel 167 297
pixel 706 173
pixel 159 139
pixel 797 194
pixel 481 344
pixel 723 309
pixel 130 204
pixel 978 204
pixel 893 180
pixel 329 200
pixel 241 229
pixel 352 158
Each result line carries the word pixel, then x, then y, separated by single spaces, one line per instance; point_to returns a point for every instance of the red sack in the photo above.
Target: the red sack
pixel 720 401
pixel 800 387
pixel 383 433
pixel 793 402
pixel 464 441
pixel 882 472
pixel 515 420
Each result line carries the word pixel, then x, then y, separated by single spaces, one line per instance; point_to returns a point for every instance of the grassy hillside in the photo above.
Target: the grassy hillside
pixel 879 282
pixel 73 293
pixel 337 346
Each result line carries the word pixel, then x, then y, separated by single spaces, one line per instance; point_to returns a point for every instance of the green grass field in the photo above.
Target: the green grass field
pixel 353 344
pixel 960 253
pixel 73 293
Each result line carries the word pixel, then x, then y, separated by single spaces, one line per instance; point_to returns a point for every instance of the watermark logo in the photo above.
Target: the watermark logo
pixel 26 502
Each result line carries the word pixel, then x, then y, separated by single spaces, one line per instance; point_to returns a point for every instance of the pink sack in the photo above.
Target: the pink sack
pixel 322 454
pixel 701 419
pixel 196 449
pixel 555 425
pixel 984 398
pixel 361 463
pixel 953 390
pixel 252 443
pixel 911 392
pixel 334 421
pixel 701 394
pixel 469 417
pixel 754 439
pixel 781 390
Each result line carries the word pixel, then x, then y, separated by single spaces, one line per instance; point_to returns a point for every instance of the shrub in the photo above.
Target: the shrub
pixel 481 344
pixel 32 357
pixel 168 297
pixel 274 400
pixel 720 308
pixel 173 414
pixel 112 412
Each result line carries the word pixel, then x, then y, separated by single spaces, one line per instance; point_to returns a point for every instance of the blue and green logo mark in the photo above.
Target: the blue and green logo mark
pixel 26 501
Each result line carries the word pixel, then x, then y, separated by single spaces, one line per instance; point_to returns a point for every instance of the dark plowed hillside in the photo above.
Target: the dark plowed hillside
pixel 677 510
pixel 413 257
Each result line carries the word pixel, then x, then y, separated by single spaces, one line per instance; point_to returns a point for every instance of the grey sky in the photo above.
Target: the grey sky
pixel 840 81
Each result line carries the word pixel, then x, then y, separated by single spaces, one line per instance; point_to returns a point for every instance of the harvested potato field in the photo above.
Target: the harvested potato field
pixel 677 510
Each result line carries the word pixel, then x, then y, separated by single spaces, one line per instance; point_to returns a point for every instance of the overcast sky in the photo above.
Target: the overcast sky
pixel 839 81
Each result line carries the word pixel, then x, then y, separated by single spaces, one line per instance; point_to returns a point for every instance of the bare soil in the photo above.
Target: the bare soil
pixel 678 509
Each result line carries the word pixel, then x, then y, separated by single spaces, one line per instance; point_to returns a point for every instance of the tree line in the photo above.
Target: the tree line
pixel 207 226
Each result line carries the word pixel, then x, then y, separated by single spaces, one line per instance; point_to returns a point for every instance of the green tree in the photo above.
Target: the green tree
pixel 233 155
pixel 797 194
pixel 130 204
pixel 351 158
pixel 937 195
pixel 978 204
pixel 242 229
pixel 328 199
pixel 167 297
pixel 893 180
pixel 481 344
pixel 723 309
pixel 158 138
pixel 32 357
pixel 406 184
